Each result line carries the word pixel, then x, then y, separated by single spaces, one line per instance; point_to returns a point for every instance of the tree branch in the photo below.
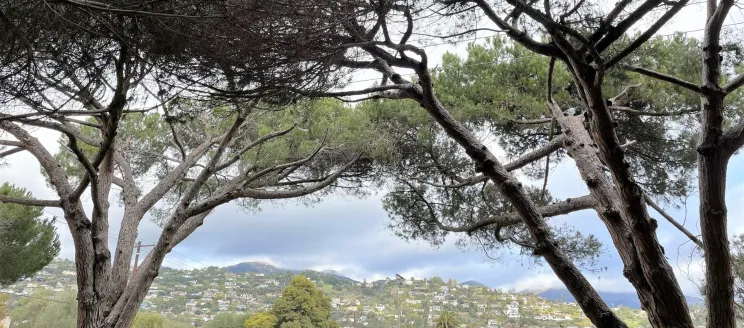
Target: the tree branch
pixel 29 201
pixel 645 36
pixel 734 84
pixel 676 224
pixel 559 208
pixel 664 77
pixel 516 164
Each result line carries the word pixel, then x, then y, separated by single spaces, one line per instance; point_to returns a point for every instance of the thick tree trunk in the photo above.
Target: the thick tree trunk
pixel 582 149
pixel 712 167
pixel 669 307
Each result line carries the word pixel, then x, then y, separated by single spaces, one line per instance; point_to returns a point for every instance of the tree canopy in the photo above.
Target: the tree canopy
pixel 28 242
pixel 303 306
pixel 261 320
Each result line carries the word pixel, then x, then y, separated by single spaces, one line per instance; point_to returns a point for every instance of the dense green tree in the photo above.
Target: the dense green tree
pixel 148 319
pixel 447 319
pixel 303 306
pixel 434 194
pixel 28 242
pixel 261 320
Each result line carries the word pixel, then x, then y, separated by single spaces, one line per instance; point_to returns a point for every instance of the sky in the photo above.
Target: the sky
pixel 349 235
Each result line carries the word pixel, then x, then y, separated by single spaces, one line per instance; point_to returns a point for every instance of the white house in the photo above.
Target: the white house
pixel 512 310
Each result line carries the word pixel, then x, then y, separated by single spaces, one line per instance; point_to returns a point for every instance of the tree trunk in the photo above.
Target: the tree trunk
pixel 712 166
pixel 586 296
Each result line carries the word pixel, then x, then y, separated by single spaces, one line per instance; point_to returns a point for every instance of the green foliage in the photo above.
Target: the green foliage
pixel 227 320
pixel 447 320
pixel 499 91
pixel 44 309
pixel 148 320
pixel 303 306
pixel 4 298
pixel 27 241
pixel 261 320
pixel 334 133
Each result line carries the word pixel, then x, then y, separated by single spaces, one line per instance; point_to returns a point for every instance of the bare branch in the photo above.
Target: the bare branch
pixel 559 208
pixel 664 77
pixel 645 36
pixel 517 35
pixel 676 224
pixel 734 84
pixel 9 152
pixel 228 196
pixel 636 112
pixel 516 164
pixel 733 139
pixel 29 201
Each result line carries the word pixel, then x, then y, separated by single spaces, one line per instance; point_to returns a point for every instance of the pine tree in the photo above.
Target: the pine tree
pixel 27 242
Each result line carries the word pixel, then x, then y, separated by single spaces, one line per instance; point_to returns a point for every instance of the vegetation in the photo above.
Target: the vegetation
pixel 447 320
pixel 227 320
pixel 45 309
pixel 28 242
pixel 207 97
pixel 303 306
pixel 148 320
pixel 261 320
pixel 353 304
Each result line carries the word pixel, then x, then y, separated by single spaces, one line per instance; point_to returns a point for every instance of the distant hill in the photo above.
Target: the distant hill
pixel 612 299
pixel 265 268
pixel 255 267
pixel 473 283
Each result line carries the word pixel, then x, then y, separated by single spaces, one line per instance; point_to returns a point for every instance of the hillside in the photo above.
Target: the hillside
pixel 196 296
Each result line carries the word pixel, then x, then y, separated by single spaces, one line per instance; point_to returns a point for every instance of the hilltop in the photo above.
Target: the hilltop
pixel 266 268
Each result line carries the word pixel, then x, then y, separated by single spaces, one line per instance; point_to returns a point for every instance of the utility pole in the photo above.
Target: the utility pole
pixel 400 280
pixel 136 256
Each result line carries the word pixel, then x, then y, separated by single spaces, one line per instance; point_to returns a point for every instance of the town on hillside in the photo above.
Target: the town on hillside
pixel 197 296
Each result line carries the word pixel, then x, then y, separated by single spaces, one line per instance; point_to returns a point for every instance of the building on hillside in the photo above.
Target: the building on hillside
pixel 512 310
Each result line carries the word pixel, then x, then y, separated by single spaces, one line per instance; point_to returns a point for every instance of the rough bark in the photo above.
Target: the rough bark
pixel 712 167
pixel 584 152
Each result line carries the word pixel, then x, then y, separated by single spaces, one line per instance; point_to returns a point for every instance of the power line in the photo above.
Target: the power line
pixel 188 258
pixel 530 56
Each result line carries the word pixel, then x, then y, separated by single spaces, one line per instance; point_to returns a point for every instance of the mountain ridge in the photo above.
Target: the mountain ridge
pixel 626 299
pixel 611 298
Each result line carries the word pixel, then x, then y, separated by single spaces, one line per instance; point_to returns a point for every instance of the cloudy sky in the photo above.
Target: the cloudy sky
pixel 350 235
